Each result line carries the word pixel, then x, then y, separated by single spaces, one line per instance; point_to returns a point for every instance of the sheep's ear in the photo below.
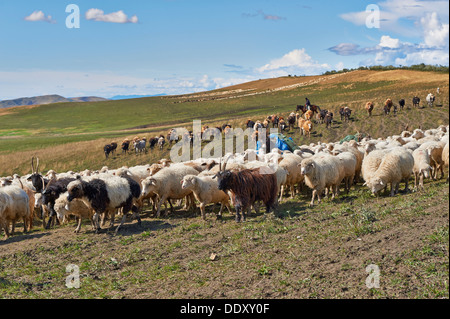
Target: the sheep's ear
pixel 381 182
pixel 313 165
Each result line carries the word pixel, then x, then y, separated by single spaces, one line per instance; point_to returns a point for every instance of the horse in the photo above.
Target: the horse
pixel 304 108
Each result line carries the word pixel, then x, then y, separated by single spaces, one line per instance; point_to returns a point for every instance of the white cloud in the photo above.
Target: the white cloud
pixel 39 16
pixel 435 32
pixel 114 17
pixel 388 42
pixel 296 62
pixel 432 57
pixel 396 15
pixel 426 20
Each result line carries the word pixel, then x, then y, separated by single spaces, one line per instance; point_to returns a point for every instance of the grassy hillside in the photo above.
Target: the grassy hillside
pixel 71 136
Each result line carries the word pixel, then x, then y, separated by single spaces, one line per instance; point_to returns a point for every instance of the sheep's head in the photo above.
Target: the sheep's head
pixel 38 200
pixel 75 190
pixel 426 172
pixel 188 181
pixel 149 185
pixel 307 167
pixel 375 185
pixel 61 209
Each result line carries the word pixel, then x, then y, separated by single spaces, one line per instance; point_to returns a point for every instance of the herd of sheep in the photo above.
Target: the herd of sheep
pixel 244 180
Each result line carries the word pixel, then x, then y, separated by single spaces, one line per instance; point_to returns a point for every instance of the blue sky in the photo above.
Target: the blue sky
pixel 182 46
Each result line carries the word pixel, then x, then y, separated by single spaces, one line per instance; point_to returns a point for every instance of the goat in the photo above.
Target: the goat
pixel 247 187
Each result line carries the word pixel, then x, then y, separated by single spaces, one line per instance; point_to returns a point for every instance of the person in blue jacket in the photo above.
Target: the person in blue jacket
pixel 308 104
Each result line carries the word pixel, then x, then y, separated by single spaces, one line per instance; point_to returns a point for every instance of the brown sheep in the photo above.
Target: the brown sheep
pixel 369 108
pixel 307 128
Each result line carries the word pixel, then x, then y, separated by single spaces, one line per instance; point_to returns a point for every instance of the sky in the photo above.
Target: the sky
pixel 137 47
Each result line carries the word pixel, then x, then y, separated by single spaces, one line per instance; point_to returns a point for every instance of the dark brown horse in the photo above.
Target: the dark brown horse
pixel 304 108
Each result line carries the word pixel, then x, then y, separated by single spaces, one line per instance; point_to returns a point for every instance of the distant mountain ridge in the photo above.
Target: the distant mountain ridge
pixel 47 99
pixel 128 97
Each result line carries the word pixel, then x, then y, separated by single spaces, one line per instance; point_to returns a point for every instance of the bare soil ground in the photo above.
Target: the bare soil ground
pixel 319 252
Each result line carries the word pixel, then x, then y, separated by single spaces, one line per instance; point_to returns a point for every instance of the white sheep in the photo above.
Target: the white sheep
pixel 418 134
pixel 320 172
pixel 349 165
pixel 14 205
pixel 371 163
pixel 435 150
pixel 290 163
pixel 206 191
pixel 76 208
pixel 396 166
pixel 166 184
pixel 422 168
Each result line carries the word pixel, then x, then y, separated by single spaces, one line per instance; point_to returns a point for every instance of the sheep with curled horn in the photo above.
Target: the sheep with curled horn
pixel 247 187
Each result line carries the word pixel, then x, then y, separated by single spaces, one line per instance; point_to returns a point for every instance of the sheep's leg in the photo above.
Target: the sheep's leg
pixel 124 217
pixel 219 215
pixel 421 182
pixel 158 210
pixel 238 215
pixel 335 192
pixel 227 204
pixel 392 190
pixel 25 224
pixel 407 184
pixel 5 226
pixel 416 181
pixel 350 183
pixel 281 193
pixel 77 230
pixel 441 168
pixel 161 201
pixel 13 227
pixel 92 222
pixel 202 210
pixel 314 193
pixel 434 172
pixel 136 215
pixel 103 219
pixel 292 191
pixel 50 218
pixel 171 206
pixel 113 218
pixel 96 224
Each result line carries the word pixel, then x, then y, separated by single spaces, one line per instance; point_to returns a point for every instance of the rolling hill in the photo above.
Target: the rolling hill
pixel 71 136
pixel 47 99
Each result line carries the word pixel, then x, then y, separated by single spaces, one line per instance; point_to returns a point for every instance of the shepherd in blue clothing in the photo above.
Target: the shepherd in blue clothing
pixel 308 104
